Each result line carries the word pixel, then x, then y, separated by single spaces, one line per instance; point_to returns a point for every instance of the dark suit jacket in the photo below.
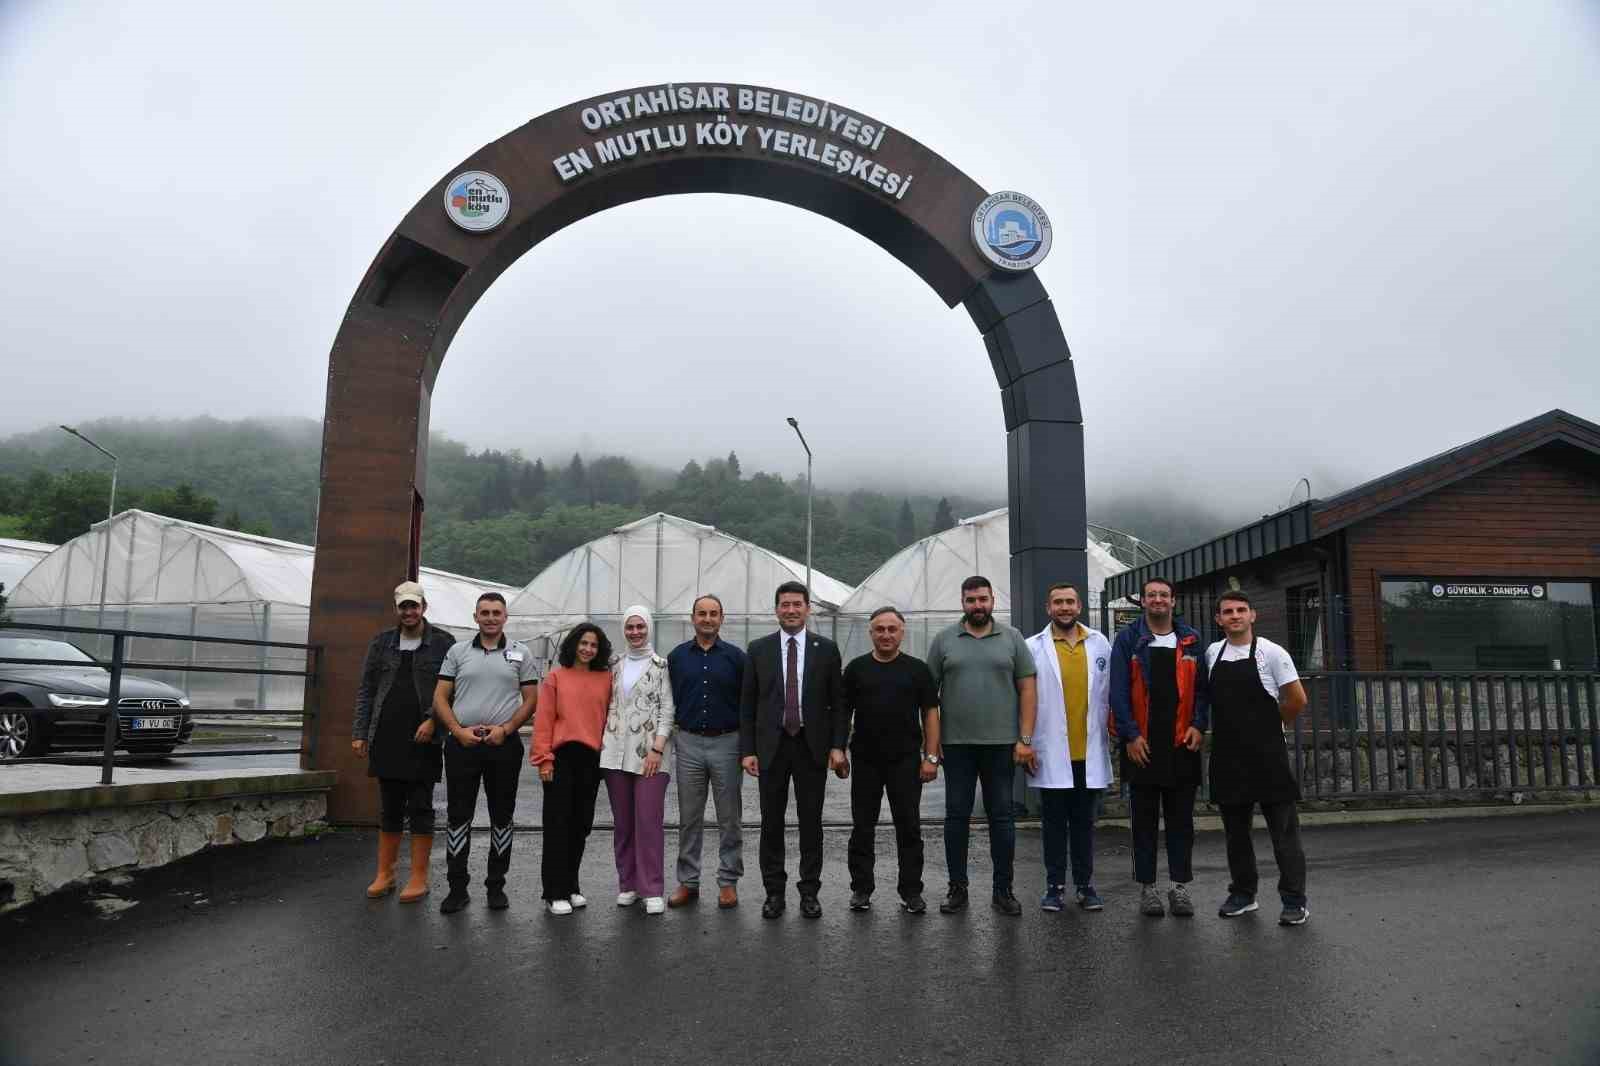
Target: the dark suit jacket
pixel 827 725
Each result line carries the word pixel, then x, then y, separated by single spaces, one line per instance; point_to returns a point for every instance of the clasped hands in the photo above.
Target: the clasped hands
pixel 423 735
pixel 1139 748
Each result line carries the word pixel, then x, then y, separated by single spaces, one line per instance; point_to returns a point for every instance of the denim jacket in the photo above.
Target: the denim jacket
pixel 383 662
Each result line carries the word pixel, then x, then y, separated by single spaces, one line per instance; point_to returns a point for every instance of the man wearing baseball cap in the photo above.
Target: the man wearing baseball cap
pixel 394 731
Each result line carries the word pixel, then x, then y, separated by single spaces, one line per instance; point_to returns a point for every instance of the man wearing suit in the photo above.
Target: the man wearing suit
pixel 792 726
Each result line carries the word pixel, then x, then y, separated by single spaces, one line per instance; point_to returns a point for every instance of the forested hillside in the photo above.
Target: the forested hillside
pixel 490 514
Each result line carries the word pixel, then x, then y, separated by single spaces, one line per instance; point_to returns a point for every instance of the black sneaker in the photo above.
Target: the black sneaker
pixel 955 901
pixel 1294 915
pixel 1007 904
pixel 455 901
pixel 1087 898
pixel 915 905
pixel 1236 904
pixel 496 898
pixel 861 901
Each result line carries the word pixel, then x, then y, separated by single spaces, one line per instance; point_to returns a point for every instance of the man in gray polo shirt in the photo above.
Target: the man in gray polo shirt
pixel 485 693
pixel 985 675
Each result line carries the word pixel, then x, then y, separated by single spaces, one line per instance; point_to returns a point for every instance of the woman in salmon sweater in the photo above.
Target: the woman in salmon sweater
pixel 567 731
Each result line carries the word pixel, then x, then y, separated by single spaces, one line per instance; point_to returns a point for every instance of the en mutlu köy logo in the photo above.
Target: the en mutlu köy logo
pixel 476 200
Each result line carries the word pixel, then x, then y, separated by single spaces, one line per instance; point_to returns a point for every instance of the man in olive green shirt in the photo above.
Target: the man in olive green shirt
pixel 985 675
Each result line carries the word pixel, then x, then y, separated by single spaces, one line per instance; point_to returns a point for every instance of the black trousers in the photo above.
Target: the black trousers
pixel 402 801
pixel 792 762
pixel 1152 803
pixel 1283 826
pixel 568 817
pixel 496 768
pixel 870 778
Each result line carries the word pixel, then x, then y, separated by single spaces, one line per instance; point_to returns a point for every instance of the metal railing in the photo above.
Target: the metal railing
pixel 1406 733
pixel 119 664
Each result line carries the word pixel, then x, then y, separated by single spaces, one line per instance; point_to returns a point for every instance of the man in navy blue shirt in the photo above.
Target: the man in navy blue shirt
pixel 705 674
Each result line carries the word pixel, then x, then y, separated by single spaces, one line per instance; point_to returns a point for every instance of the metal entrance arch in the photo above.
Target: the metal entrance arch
pixel 615 149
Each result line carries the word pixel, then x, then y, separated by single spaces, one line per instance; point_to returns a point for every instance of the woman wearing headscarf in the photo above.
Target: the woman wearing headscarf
pixel 567 732
pixel 637 760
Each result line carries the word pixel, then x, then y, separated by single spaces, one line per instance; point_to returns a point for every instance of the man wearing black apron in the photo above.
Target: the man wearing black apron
pixel 1254 691
pixel 1160 709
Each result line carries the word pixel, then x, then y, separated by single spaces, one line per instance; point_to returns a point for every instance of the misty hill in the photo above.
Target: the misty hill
pixel 491 514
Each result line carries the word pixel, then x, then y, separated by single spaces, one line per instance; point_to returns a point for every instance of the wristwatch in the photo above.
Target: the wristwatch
pixel 1025 740
pixel 931 760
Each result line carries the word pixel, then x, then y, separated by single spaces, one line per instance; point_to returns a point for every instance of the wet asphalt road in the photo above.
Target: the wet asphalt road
pixel 1452 942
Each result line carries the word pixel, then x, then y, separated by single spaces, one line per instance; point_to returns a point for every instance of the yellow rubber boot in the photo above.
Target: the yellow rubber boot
pixel 388 855
pixel 421 853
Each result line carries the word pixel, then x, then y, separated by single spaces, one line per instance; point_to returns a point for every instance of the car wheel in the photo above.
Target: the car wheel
pixel 19 735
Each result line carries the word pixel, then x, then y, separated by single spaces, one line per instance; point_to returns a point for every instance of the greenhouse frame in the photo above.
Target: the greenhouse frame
pixel 923 580
pixel 151 573
pixel 664 562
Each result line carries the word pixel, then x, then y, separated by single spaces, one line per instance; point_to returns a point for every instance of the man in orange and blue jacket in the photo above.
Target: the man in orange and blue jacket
pixel 1161 712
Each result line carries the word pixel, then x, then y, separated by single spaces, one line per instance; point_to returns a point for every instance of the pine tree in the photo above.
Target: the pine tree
pixel 905 528
pixel 733 466
pixel 943 517
pixel 575 481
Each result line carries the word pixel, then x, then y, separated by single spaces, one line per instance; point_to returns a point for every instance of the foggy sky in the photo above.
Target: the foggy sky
pixel 1290 239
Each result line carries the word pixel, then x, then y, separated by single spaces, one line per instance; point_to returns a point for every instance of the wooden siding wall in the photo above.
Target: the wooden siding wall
pixel 1535 516
pixel 1265 581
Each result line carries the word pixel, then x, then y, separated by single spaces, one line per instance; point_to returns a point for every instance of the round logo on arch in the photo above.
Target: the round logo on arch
pixel 477 201
pixel 1011 231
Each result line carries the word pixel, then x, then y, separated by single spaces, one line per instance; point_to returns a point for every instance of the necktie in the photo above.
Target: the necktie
pixel 791 692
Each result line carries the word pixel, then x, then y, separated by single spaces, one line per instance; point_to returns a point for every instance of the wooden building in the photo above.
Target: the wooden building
pixel 1485 557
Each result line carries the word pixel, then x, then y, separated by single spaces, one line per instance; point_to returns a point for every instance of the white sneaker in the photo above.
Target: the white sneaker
pixel 578 900
pixel 560 906
pixel 655 905
pixel 627 899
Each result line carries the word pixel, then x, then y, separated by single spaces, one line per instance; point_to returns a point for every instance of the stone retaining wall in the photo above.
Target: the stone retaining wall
pixel 88 836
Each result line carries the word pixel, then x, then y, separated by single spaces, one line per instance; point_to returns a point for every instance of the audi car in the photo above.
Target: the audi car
pixel 61 705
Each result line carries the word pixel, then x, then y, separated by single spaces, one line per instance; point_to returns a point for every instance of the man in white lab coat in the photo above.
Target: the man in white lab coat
pixel 1072 741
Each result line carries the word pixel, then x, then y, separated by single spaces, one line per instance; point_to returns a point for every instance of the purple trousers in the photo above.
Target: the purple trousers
pixel 638 811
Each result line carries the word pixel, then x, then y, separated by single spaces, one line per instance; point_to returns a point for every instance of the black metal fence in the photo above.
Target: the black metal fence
pixel 1402 733
pixel 119 716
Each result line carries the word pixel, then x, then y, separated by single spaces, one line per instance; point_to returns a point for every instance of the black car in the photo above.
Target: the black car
pixel 62 706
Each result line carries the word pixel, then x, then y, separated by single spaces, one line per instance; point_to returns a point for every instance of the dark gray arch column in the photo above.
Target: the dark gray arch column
pixel 1044 440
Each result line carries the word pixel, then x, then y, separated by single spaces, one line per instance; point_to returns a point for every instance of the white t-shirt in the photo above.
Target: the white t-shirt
pixel 1164 640
pixel 1273 664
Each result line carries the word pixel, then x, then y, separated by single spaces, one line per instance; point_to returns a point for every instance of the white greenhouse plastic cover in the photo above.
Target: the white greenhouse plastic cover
pixel 664 562
pixel 165 575
pixel 923 581
pixel 17 557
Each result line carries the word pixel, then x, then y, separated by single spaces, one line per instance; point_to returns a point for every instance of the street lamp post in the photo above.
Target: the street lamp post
pixel 796 427
pixel 111 510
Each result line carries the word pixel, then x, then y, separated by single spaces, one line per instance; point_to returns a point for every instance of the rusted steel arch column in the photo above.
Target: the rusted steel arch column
pixel 430 273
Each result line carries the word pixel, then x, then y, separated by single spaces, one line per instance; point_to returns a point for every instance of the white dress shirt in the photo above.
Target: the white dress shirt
pixel 800 640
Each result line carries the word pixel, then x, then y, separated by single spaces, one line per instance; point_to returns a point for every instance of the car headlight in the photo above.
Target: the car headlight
pixel 183 701
pixel 67 699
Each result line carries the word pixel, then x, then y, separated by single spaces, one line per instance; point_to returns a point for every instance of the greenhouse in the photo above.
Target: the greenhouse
pixel 17 557
pixel 147 572
pixel 923 580
pixel 665 562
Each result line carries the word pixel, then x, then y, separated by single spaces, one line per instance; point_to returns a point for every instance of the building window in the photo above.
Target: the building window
pixel 1305 627
pixel 1488 624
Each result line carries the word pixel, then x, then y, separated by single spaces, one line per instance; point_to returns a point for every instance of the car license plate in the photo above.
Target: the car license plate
pixel 155 723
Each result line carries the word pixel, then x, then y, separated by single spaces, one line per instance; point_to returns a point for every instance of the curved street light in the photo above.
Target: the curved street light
pixel 111 510
pixel 794 425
